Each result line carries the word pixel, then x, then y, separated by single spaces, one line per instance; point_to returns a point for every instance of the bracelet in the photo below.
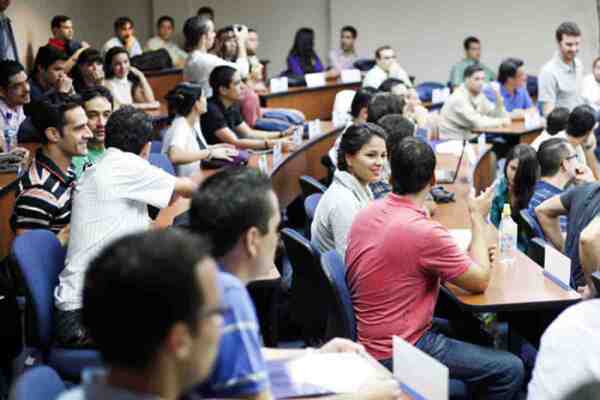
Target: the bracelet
pixel 210 155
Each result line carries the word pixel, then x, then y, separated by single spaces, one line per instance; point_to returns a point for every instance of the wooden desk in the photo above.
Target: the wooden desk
pixel 519 287
pixel 516 128
pixel 163 81
pixel 313 102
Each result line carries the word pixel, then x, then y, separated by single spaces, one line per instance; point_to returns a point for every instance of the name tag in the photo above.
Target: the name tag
pixel 279 84
pixel 351 75
pixel 557 264
pixel 315 80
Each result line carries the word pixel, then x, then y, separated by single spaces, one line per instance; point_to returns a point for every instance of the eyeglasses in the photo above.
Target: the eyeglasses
pixel 214 311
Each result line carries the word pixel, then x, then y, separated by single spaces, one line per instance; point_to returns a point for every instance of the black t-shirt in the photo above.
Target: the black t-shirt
pixel 218 117
pixel 583 204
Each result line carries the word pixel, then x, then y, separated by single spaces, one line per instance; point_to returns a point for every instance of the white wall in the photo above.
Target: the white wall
pixel 428 34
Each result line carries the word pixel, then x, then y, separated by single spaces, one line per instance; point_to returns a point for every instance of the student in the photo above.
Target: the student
pixel 126 83
pixel 386 67
pixel 398 298
pixel 124 37
pixel 226 44
pixel 206 12
pixel 62 40
pixel 163 40
pixel 560 79
pixel 556 122
pixel 183 142
pixel 512 79
pixel 157 354
pixel 89 71
pixel 111 201
pixel 199 35
pixel 467 108
pixel 14 94
pixel 413 110
pixel 382 104
pixel 238 210
pixel 8 47
pixel 252 43
pixel 43 199
pixel 223 122
pixel 591 86
pixel 346 55
pixel 49 80
pixel 472 47
pixel 302 58
pixel 361 157
pixel 521 172
pixel 579 132
pixel 558 168
pixel 97 103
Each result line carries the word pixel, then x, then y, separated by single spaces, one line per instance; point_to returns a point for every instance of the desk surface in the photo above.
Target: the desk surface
pixel 519 287
pixel 516 127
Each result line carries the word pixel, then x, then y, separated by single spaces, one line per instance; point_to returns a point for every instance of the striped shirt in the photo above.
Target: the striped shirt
pixel 542 192
pixel 44 196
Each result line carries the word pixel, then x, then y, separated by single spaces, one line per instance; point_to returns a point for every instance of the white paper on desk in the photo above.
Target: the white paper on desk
pixel 533 121
pixel 350 75
pixel 462 237
pixel 453 147
pixel 336 372
pixel 277 153
pixel 557 264
pixel 421 372
pixel 279 84
pixel 315 80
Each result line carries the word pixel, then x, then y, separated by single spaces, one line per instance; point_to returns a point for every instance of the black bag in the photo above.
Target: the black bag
pixel 11 333
pixel 152 60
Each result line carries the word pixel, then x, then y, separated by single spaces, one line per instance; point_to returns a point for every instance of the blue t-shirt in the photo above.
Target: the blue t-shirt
pixel 519 100
pixel 542 192
pixel 583 204
pixel 240 369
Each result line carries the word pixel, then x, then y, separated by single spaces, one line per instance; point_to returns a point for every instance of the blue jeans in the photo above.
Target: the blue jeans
pixel 278 119
pixel 493 374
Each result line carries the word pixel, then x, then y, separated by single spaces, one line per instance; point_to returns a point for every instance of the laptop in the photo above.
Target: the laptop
pixel 449 177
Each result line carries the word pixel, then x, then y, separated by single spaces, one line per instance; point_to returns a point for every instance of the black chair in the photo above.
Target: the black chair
pixel 537 251
pixel 596 281
pixel 340 321
pixel 310 185
pixel 309 294
pixel 310 207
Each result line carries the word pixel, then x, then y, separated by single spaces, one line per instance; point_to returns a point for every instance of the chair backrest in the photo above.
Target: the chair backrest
pixel 596 281
pixel 532 86
pixel 537 251
pixel 156 146
pixel 310 205
pixel 535 230
pixel 310 296
pixel 341 321
pixel 40 258
pixel 310 185
pixel 425 89
pixel 39 383
pixel 365 64
pixel 484 173
pixel 162 161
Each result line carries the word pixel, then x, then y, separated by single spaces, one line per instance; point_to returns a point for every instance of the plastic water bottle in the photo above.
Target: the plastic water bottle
pixel 10 139
pixel 508 237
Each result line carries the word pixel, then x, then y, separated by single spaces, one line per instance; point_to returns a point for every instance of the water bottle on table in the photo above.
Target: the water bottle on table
pixel 508 237
pixel 10 139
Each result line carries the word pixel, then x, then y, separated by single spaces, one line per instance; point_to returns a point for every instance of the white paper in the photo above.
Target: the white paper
pixel 298 133
pixel 336 372
pixel 279 84
pixel 481 144
pixel 419 371
pixel 449 147
pixel 462 237
pixel 557 264
pixel 277 153
pixel 351 75
pixel 315 80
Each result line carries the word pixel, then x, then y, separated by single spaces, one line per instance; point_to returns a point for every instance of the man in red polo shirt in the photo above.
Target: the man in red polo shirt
pixel 397 258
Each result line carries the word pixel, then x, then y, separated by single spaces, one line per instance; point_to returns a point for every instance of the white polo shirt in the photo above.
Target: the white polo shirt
pixel 181 135
pixel 109 201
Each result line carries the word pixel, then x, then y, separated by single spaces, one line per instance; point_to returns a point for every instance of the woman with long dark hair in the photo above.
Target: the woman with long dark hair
pixel 302 58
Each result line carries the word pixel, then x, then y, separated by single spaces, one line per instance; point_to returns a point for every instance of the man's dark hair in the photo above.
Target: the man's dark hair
pixel 46 56
pixel 121 22
pixel 380 49
pixel 472 69
pixel 389 84
pixel 165 18
pixel 153 284
pixel 252 30
pixel 413 165
pixel 46 115
pixel 96 91
pixel 355 137
pixel 557 120
pixel 89 56
pixel 508 69
pixel 467 42
pixel 396 128
pixel 8 69
pixel 383 104
pixel 551 154
pixel 229 203
pixel 205 11
pixel 128 129
pixel 193 29
pixel 221 76
pixel 361 100
pixel 581 121
pixel 58 20
pixel 568 29
pixel 351 29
